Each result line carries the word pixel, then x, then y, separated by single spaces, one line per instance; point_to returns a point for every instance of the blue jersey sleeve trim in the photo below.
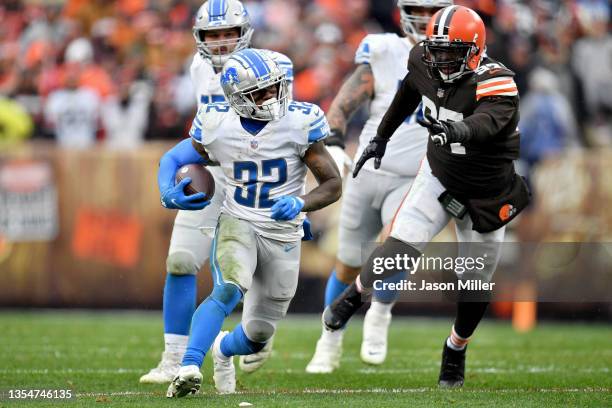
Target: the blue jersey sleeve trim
pixel 196 133
pixel 317 121
pixel 363 55
pixel 318 133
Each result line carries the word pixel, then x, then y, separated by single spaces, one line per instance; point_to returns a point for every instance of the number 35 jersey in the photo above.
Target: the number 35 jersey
pixel 263 167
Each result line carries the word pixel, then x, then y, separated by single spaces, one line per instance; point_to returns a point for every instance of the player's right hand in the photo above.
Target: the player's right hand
pixel 375 149
pixel 174 198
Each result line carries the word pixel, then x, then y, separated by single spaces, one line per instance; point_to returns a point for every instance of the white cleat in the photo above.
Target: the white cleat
pixel 375 330
pixel 165 371
pixel 253 362
pixel 224 370
pixel 187 381
pixel 327 354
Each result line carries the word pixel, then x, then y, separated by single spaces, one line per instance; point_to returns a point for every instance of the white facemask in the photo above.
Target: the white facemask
pixel 272 106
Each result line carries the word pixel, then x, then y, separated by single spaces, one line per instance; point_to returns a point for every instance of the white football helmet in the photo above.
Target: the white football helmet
pixel 415 25
pixel 245 73
pixel 220 15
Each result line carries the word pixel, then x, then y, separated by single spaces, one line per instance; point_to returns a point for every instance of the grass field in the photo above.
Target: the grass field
pixel 101 356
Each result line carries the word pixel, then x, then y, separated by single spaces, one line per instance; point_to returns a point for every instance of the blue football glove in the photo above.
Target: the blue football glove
pixel 286 208
pixel 306 226
pixel 174 198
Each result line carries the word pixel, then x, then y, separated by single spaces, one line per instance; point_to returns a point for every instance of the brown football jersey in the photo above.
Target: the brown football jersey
pixel 487 102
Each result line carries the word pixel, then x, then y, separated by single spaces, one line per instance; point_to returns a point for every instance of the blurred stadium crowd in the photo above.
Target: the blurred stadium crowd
pixel 129 61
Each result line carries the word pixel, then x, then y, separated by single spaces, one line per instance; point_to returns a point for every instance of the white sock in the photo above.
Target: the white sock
pixel 175 343
pixel 381 308
pixel 332 336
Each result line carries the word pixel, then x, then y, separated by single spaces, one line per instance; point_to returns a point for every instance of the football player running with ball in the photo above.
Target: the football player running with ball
pixel 264 145
pixel 370 201
pixel 221 28
pixel 471 108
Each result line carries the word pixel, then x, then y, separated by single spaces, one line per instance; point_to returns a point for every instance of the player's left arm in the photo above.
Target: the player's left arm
pixel 322 165
pixel 490 116
pixel 320 162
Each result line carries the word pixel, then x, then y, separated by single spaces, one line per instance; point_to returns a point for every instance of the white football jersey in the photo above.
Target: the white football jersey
pixel 263 167
pixel 387 55
pixel 74 115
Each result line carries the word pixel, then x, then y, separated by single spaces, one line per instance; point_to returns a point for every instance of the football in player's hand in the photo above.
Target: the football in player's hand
pixel 202 180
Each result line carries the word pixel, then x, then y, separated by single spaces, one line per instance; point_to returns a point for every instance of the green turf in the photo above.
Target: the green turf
pixel 101 355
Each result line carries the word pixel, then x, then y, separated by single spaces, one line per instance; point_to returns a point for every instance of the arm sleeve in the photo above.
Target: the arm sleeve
pixel 490 117
pixel 181 154
pixel 404 104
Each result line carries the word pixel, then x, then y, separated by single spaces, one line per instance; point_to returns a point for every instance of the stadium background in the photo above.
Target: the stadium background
pixel 82 227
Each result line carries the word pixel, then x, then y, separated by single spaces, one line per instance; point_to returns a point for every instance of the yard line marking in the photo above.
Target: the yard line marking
pixel 481 370
pixel 72 371
pixel 362 391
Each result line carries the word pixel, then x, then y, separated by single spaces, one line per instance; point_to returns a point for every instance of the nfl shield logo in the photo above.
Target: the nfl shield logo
pixel 440 93
pixel 254 144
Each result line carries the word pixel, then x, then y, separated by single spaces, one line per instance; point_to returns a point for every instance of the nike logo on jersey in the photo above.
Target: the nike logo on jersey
pixel 289 247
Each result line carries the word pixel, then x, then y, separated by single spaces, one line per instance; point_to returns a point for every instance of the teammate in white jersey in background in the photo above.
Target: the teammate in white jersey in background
pixel 221 28
pixel 263 143
pixel 370 201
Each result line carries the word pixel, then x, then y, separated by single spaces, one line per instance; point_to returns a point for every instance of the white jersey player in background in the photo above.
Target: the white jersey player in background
pixel 370 201
pixel 221 28
pixel 73 113
pixel 264 144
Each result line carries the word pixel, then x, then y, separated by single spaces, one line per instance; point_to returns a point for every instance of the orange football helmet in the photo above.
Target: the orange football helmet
pixel 455 43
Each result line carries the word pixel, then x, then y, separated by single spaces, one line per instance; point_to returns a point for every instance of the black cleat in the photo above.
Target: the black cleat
pixel 452 370
pixel 336 315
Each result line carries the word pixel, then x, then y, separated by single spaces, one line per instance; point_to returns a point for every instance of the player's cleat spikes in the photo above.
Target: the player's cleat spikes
pixel 165 371
pixel 336 315
pixel 223 367
pixel 452 370
pixel 252 362
pixel 187 381
pixel 327 355
pixel 374 344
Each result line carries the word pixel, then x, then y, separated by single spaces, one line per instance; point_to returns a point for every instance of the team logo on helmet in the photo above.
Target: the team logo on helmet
pixel 230 76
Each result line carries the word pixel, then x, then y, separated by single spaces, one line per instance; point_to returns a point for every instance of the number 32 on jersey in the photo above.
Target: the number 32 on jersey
pixel 252 192
pixel 429 107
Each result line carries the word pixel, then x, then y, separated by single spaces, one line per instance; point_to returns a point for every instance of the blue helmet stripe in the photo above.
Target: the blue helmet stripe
pixel 216 8
pixel 211 8
pixel 256 62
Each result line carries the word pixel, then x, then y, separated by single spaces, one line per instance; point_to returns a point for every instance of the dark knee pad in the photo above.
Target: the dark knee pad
pixel 259 331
